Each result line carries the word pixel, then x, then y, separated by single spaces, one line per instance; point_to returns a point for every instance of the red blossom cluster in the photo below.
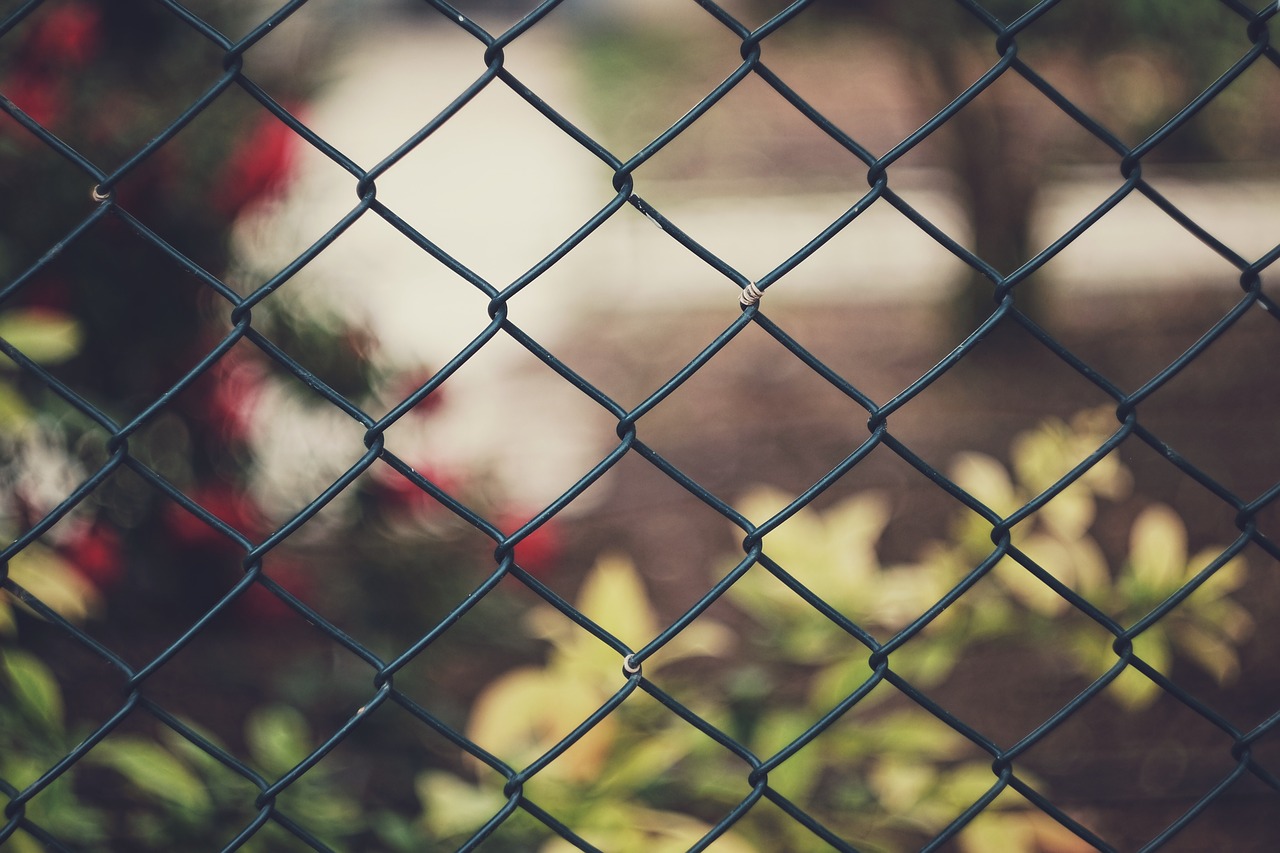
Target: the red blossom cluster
pixel 229 393
pixel 235 508
pixel 57 45
pixel 400 496
pixel 47 75
pixel 96 552
pixel 258 167
pixel 539 552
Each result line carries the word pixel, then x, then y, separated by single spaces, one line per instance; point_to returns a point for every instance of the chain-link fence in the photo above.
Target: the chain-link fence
pixel 870 634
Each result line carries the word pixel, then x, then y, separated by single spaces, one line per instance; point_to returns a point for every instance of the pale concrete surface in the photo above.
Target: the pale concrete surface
pixel 498 188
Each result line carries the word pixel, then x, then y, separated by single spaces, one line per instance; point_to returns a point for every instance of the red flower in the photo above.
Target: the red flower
pixel 397 493
pixel 260 606
pixel 538 553
pixel 95 552
pixel 232 393
pixel 59 42
pixel 233 507
pixel 404 387
pixel 258 166
pixel 37 95
pixel 67 37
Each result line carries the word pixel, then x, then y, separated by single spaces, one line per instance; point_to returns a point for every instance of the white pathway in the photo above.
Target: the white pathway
pixel 498 188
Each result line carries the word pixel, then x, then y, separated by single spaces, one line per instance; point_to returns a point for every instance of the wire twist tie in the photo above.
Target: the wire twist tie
pixel 750 295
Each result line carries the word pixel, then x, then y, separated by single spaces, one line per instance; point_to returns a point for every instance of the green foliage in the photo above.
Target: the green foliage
pixel 35 692
pixel 177 795
pixel 32 740
pixel 887 774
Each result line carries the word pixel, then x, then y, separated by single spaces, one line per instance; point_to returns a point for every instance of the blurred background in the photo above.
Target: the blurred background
pixel 295 378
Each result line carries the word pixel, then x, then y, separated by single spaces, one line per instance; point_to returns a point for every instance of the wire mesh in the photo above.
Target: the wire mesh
pixel 746 305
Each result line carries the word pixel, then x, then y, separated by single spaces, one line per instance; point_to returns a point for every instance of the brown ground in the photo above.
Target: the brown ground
pixel 757 415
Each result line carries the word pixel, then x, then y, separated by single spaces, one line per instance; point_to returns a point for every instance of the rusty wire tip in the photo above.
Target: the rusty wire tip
pixel 630 667
pixel 750 295
pixel 98 195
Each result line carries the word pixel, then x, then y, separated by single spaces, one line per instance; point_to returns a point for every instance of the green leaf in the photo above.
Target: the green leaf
pixel 649 760
pixel 278 738
pixel 795 777
pixel 998 830
pixel 613 595
pixel 1071 513
pixel 14 411
pixel 1229 577
pixel 155 772
pixel 917 734
pixel 34 687
pixel 8 627
pixel 44 574
pixel 1133 689
pixel 1029 589
pixel 398 832
pixel 44 336
pixel 188 751
pixel 23 843
pixel 525 712
pixel 1210 651
pixel 967 784
pixel 987 480
pixel 1157 551
pixel 931 661
pixel 900 783
pixel 453 807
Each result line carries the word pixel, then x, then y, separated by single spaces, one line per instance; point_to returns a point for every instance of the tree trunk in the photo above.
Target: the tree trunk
pixel 998 160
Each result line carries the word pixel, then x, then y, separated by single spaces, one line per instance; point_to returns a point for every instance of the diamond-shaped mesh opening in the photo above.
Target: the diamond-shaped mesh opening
pixel 1133 760
pixel 625 65
pixel 756 426
pixel 527 158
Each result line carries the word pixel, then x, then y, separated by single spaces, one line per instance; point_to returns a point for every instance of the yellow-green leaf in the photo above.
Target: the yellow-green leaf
pixel 8 627
pixel 1212 652
pixel 1229 577
pixel 900 784
pixel 453 807
pixel 527 711
pixel 833 683
pixel 702 637
pixel 1158 550
pixel 899 595
pixel 1071 512
pixel 968 783
pixel 994 830
pixel 927 661
pixel 1133 689
pixel 14 411
pixel 624 827
pixel 23 843
pixel 1028 588
pixel 278 737
pixel 48 577
pixel 1077 562
pixel 917 734
pixel 985 479
pixel 154 771
pixel 34 687
pixel 613 596
pixel 649 759
pixel 44 336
